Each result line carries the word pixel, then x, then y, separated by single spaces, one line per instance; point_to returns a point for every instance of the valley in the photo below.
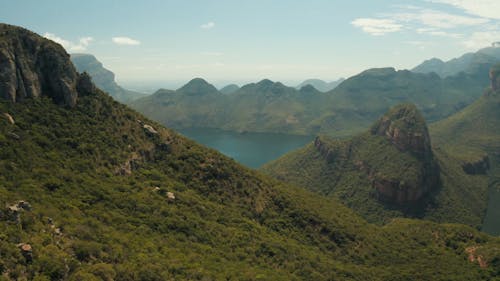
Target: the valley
pixel 391 173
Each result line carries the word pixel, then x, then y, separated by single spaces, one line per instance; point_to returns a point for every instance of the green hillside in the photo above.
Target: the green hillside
pixel 472 136
pixel 388 172
pixel 92 190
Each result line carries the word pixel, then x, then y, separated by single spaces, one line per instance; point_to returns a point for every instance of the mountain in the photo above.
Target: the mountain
pixel 350 108
pixel 473 137
pixel 92 190
pixel 321 85
pixel 229 89
pixel 466 63
pixel 196 104
pixel 389 171
pixel 358 101
pixel 103 78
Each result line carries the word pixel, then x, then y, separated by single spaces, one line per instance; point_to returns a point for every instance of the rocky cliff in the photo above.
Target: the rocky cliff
pixel 31 66
pixel 404 127
pixel 102 77
pixel 495 77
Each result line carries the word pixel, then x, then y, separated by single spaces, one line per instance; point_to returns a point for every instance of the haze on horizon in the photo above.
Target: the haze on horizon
pixel 227 41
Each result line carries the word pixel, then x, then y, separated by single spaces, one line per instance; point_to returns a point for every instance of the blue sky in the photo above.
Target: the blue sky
pixel 226 41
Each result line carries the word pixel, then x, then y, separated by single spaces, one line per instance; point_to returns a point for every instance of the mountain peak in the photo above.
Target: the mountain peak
pixel 379 71
pixel 405 127
pixel 308 89
pixel 265 83
pixel 198 86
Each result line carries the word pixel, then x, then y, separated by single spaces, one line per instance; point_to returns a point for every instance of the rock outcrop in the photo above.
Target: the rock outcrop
pixel 405 128
pixel 495 77
pixel 9 118
pixel 32 66
pixel 477 167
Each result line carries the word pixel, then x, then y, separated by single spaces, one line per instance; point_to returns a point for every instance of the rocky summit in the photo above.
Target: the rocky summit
pixel 32 66
pixel 389 171
pixel 405 128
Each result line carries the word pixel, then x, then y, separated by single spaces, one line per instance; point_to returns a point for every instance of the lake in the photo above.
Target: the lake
pixel 250 149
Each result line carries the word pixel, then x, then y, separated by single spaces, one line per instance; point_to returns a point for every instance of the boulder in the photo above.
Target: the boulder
pixel 26 251
pixel 9 118
pixel 149 129
pixel 170 196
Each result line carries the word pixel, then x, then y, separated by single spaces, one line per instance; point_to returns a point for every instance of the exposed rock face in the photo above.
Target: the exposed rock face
pixel 405 127
pixel 478 167
pixel 495 77
pixel 332 154
pixel 32 66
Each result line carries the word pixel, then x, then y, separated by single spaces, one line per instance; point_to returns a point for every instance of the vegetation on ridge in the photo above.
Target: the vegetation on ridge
pixel 355 170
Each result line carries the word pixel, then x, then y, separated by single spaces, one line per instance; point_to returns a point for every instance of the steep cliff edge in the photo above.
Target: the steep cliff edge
pixel 495 77
pixel 404 127
pixel 31 66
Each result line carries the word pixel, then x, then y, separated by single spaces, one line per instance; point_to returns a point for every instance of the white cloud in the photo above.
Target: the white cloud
pixel 481 39
pixel 437 32
pixel 125 41
pixel 483 8
pixel 377 27
pixel 208 25
pixel 438 19
pixel 79 46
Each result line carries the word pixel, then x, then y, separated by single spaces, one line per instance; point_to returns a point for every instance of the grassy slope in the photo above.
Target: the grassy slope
pixel 226 221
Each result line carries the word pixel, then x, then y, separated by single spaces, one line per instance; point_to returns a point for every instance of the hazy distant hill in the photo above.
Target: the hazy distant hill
pixel 92 190
pixel 196 104
pixel 350 108
pixel 229 89
pixel 321 85
pixel 390 171
pixel 467 63
pixel 103 78
pixel 359 100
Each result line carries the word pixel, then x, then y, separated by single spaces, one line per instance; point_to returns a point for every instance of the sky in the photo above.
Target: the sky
pixel 167 42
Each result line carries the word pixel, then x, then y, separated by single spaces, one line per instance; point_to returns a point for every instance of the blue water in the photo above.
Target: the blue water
pixel 250 149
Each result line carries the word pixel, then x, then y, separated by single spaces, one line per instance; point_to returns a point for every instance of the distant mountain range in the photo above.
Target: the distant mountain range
pixel 321 85
pixel 102 77
pixel 468 63
pixel 350 108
